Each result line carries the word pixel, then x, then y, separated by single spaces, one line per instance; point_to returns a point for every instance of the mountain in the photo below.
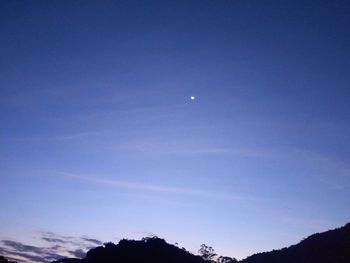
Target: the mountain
pixel 153 250
pixel 332 246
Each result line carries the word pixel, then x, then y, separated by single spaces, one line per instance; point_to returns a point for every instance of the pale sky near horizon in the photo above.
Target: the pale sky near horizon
pixel 100 138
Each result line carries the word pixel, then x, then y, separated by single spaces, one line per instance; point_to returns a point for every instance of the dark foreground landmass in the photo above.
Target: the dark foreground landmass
pixel 332 246
pixel 153 250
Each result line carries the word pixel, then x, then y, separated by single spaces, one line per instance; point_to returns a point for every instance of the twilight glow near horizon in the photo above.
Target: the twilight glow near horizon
pixel 217 122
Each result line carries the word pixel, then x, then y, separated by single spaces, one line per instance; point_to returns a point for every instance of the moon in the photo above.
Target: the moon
pixel 192 97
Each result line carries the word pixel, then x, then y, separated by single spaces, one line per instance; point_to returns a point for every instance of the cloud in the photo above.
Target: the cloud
pixel 27 253
pixel 156 188
pixel 331 172
pixel 323 168
pixel 78 253
pixel 25 257
pixel 311 224
pixel 53 240
pixel 59 246
pixel 65 137
pixel 171 144
pixel 69 240
pixel 21 247
pixel 92 240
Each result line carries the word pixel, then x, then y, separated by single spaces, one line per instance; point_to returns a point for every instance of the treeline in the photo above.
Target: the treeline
pixel 151 249
pixel 332 246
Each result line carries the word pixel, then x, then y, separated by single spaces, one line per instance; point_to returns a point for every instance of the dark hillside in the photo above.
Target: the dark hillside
pixel 153 250
pixel 332 246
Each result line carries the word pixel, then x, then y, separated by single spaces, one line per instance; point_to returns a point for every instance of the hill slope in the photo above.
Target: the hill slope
pixel 332 246
pixel 153 250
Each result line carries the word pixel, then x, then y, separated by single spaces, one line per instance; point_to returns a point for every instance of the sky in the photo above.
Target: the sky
pixel 100 139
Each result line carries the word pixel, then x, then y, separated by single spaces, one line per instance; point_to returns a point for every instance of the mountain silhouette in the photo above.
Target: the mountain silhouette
pixel 154 250
pixel 332 246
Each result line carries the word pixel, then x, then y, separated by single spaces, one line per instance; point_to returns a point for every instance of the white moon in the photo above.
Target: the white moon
pixel 192 97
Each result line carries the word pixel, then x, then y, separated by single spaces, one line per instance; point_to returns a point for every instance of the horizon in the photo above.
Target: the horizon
pixel 83 244
pixel 216 122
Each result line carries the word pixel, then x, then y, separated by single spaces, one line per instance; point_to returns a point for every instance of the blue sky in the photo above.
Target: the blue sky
pixel 100 139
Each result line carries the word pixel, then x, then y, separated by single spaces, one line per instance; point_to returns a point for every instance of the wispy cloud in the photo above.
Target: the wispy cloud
pixel 65 137
pixel 324 169
pixel 150 112
pixel 78 253
pixel 155 188
pixel 192 145
pixel 27 253
pixel 310 224
pixel 58 246
pixel 92 240
pixel 53 240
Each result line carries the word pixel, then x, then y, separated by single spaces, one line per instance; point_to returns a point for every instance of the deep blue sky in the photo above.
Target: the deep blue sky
pixel 99 136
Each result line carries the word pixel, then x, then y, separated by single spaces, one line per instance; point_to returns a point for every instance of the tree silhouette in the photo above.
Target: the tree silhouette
pixel 332 246
pixel 207 253
pixel 150 249
pixel 222 259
